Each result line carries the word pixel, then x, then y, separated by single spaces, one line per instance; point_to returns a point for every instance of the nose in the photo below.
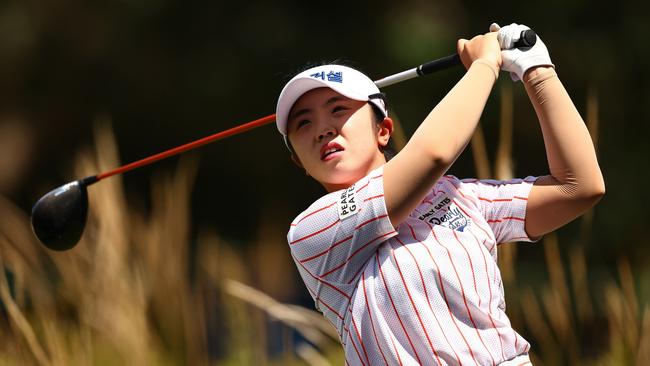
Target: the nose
pixel 327 131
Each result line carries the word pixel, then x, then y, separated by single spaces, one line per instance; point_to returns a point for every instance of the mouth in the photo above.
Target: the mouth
pixel 330 151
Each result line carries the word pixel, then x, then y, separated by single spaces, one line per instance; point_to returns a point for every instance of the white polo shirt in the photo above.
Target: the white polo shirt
pixel 428 292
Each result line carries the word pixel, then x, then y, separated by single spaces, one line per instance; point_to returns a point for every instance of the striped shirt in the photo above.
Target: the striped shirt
pixel 427 292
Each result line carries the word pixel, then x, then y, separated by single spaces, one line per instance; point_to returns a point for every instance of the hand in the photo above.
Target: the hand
pixel 519 60
pixel 485 47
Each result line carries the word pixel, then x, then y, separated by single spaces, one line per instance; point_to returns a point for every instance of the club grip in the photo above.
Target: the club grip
pixel 439 64
pixel 528 38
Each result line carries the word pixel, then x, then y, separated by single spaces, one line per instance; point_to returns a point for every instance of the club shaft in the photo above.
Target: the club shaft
pixel 189 146
pixel 426 68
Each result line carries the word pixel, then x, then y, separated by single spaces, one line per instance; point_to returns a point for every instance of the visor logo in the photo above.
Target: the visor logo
pixel 332 76
pixel 336 77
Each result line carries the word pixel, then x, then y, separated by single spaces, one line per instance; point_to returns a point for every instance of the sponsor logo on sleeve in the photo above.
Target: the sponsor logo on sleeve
pixel 347 203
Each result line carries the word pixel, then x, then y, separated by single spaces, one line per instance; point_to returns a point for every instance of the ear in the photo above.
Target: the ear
pixel 385 131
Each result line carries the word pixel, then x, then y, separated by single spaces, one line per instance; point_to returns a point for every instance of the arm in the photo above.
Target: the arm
pixel 575 182
pixel 445 132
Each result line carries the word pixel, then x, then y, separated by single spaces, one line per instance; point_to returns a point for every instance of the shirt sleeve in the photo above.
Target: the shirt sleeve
pixel 503 205
pixel 334 238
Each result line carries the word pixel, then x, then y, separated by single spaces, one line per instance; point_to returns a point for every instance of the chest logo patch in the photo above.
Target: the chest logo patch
pixel 445 213
pixel 348 203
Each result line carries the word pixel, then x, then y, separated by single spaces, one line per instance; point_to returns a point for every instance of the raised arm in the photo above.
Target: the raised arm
pixel 575 182
pixel 445 132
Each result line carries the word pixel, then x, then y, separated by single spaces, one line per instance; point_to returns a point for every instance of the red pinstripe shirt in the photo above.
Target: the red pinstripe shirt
pixel 428 292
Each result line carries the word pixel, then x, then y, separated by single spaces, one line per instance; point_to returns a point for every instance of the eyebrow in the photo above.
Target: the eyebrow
pixel 307 110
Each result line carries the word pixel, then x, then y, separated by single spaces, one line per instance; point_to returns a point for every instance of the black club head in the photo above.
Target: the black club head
pixel 59 217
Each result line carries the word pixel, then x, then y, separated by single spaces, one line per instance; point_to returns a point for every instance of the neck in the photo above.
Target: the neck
pixel 376 163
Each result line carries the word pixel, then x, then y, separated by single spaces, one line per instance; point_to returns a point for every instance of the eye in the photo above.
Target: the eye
pixel 302 123
pixel 339 108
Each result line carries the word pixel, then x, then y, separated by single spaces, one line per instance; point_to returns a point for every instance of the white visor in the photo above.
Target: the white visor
pixel 342 79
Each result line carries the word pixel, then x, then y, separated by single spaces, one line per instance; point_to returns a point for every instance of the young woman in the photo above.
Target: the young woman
pixel 401 258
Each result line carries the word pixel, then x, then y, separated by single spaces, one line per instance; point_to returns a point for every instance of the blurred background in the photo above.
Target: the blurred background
pixel 185 261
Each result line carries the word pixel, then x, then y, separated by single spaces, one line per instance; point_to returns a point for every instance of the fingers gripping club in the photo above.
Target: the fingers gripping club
pixel 527 39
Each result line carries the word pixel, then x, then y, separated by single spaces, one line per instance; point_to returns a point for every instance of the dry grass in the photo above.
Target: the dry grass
pixel 127 295
pixel 135 292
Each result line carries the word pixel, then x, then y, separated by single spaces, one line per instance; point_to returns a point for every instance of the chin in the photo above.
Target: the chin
pixel 340 179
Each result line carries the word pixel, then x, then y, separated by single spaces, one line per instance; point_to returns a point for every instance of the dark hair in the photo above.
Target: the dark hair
pixel 388 150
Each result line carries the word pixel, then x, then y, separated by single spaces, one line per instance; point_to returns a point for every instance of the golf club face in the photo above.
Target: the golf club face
pixel 59 217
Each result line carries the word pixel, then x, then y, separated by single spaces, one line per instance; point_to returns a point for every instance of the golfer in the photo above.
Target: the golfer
pixel 398 256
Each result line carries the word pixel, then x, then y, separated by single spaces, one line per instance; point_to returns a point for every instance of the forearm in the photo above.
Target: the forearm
pixel 445 132
pixel 569 149
pixel 437 143
pixel 575 183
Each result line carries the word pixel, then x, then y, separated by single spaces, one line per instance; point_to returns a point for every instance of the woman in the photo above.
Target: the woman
pixel 400 258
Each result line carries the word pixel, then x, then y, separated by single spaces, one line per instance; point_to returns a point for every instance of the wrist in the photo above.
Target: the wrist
pixel 537 71
pixel 494 68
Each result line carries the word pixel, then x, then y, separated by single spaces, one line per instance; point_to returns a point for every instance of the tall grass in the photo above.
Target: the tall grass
pixel 136 292
pixel 127 295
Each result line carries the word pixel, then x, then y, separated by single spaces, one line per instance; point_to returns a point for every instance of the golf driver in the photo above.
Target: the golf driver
pixel 59 217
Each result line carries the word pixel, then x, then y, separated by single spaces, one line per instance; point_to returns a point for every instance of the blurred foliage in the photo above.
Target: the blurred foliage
pixel 127 294
pixel 169 72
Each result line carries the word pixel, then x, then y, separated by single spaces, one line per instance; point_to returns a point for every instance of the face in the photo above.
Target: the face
pixel 335 138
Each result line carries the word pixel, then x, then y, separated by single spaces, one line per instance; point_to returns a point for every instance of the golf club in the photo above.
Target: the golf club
pixel 59 217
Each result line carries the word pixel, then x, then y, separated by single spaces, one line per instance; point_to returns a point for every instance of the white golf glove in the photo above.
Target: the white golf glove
pixel 516 60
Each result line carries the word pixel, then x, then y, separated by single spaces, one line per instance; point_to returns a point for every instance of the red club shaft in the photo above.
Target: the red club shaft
pixel 423 69
pixel 189 146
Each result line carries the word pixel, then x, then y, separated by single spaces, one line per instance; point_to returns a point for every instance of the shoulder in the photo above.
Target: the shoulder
pixel 456 187
pixel 318 208
pixel 344 202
